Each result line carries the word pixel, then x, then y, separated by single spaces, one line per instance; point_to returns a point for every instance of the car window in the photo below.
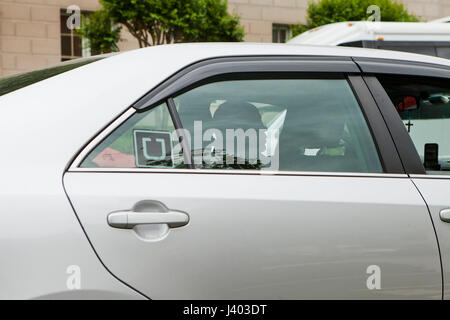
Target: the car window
pixel 145 140
pixel 423 103
pixel 280 124
pixel 16 82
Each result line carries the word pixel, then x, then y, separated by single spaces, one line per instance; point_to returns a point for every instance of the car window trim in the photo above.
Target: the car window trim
pixel 188 160
pixel 221 67
pixel 400 67
pixel 383 141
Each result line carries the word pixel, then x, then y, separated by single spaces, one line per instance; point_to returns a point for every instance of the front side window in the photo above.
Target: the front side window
pixel 424 106
pixel 275 124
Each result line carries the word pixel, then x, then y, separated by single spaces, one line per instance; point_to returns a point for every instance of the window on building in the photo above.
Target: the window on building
pixel 72 45
pixel 281 33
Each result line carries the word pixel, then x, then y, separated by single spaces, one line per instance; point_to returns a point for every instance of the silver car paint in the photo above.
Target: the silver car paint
pixel 435 191
pixel 265 236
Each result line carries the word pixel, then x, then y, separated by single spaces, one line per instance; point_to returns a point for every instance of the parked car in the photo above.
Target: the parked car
pixel 431 38
pixel 115 184
pixel 441 20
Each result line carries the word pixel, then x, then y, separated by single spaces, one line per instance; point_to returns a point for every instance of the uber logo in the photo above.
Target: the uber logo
pixel 153 148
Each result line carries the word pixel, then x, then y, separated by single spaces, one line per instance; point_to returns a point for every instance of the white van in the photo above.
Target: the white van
pixel 431 38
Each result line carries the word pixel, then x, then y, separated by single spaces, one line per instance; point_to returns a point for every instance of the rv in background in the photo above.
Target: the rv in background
pixel 431 38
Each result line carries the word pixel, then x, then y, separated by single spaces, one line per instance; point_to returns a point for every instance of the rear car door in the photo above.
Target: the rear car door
pixel 419 96
pixel 256 178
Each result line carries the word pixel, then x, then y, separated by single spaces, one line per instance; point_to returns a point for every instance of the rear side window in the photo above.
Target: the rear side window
pixel 275 124
pixel 423 103
pixel 16 82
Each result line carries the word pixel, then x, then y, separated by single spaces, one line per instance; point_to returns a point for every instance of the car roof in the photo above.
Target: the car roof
pixel 192 52
pixel 157 63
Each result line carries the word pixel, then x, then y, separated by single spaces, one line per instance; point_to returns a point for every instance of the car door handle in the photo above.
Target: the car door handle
pixel 445 215
pixel 130 219
pixel 147 212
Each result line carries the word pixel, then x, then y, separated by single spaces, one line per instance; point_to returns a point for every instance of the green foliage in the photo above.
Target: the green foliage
pixel 102 35
pixel 154 22
pixel 212 23
pixel 330 11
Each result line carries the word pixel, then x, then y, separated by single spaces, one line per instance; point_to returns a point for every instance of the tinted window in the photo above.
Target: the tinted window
pixel 279 124
pixel 15 82
pixel 424 106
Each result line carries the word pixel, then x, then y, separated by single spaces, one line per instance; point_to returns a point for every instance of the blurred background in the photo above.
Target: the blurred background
pixel 39 33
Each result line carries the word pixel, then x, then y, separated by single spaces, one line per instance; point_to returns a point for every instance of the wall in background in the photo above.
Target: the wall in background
pixel 31 34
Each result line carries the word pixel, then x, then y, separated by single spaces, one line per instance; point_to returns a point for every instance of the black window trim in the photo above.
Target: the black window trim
pixel 247 67
pixel 412 68
pixel 384 143
pixel 221 67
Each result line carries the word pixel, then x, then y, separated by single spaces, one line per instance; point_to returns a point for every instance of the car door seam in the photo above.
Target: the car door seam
pixel 92 246
pixel 435 233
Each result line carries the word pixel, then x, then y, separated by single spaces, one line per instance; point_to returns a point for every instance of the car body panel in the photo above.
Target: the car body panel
pixel 265 236
pixel 434 190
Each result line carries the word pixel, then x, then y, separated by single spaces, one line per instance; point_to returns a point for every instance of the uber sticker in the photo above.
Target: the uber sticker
pixel 153 148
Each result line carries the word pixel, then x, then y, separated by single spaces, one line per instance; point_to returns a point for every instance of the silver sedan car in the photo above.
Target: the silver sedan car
pixel 227 171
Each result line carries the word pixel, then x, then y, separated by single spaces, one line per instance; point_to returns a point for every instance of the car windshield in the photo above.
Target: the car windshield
pixel 15 82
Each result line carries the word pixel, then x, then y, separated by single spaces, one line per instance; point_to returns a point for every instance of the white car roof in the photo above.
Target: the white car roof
pixel 350 31
pixel 176 56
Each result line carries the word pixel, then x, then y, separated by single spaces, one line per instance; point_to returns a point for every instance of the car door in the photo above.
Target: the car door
pixel 258 178
pixel 421 96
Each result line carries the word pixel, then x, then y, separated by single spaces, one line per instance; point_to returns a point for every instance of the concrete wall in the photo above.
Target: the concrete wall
pixel 30 35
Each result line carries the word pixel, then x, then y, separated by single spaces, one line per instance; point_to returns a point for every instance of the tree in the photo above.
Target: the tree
pixel 212 23
pixel 101 33
pixel 330 11
pixel 154 22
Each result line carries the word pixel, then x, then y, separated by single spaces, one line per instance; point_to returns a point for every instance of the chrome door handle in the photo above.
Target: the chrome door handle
pixel 147 212
pixel 445 215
